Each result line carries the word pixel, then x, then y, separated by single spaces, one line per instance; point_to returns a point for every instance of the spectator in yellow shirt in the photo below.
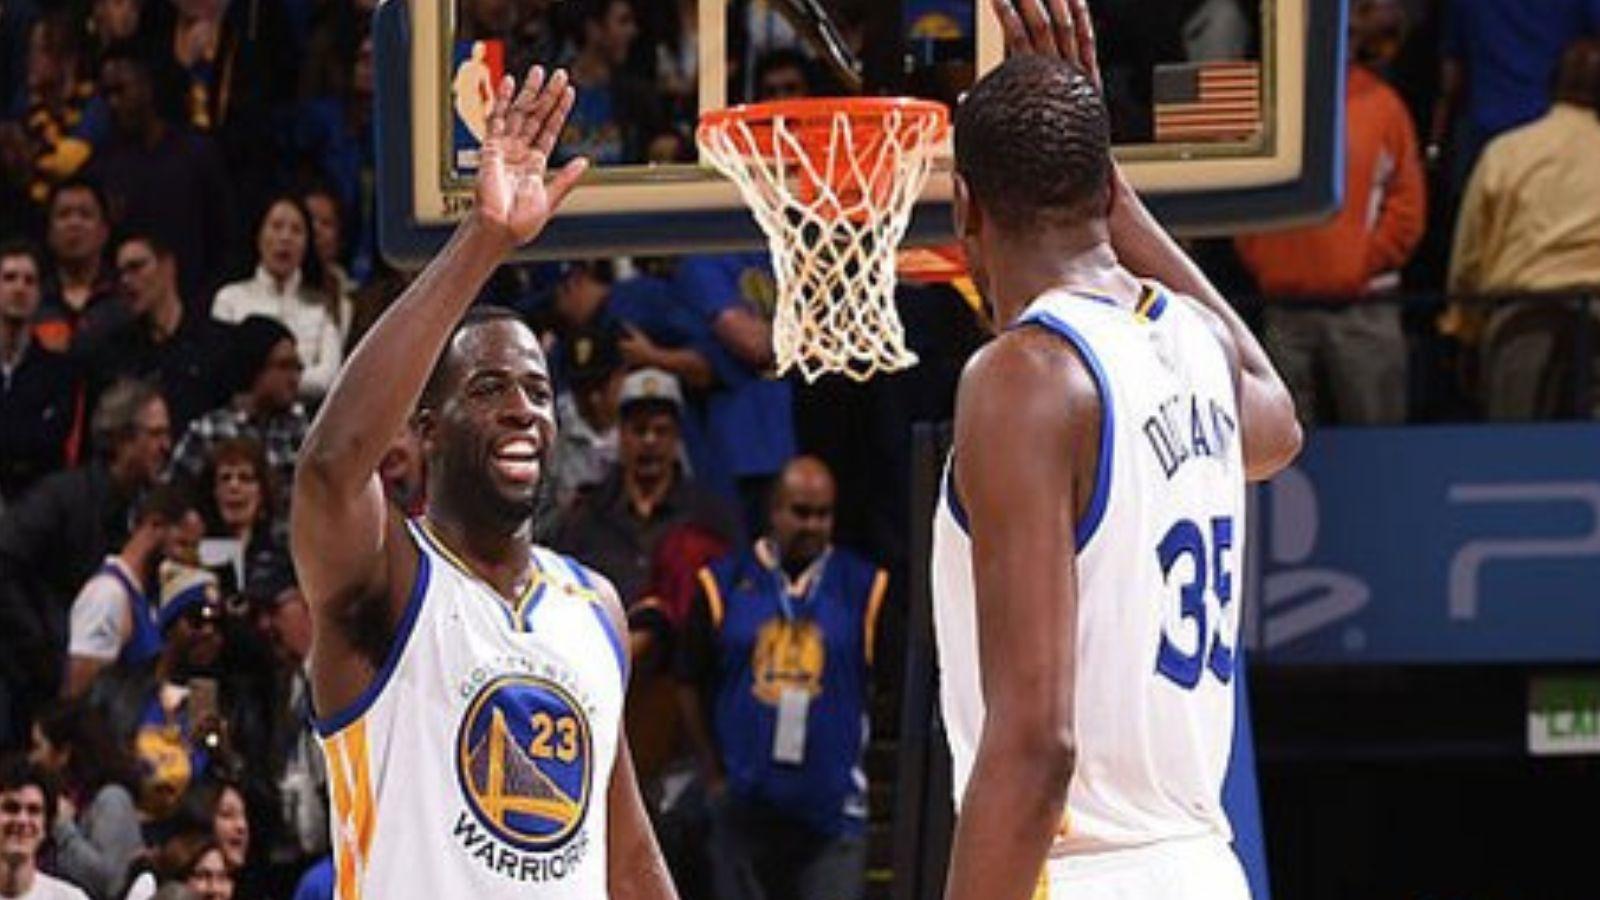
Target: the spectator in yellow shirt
pixel 1530 222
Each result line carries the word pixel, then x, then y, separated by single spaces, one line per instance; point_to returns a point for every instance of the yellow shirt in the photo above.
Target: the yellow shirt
pixel 1530 220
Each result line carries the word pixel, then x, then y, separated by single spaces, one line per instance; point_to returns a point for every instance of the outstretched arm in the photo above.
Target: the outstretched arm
pixel 350 551
pixel 1064 29
pixel 1027 424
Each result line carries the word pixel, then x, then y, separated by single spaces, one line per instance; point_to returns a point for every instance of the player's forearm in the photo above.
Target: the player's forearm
pixel 1008 820
pixel 1145 248
pixel 1270 429
pixel 379 386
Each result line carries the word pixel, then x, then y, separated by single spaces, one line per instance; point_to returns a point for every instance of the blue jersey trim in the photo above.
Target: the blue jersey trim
pixel 1102 475
pixel 532 604
pixel 1159 306
pixel 957 510
pixel 599 609
pixel 328 726
pixel 579 572
pixel 615 640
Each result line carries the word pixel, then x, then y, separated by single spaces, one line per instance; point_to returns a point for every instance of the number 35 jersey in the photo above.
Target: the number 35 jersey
pixel 477 764
pixel 1158 580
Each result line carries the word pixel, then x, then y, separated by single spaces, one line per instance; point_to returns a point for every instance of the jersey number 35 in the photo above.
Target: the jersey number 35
pixel 1208 563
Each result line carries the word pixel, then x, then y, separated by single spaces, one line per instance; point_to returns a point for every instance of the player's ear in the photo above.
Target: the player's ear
pixel 964 210
pixel 422 425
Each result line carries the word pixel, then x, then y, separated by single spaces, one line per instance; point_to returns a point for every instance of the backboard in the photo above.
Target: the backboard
pixel 1227 113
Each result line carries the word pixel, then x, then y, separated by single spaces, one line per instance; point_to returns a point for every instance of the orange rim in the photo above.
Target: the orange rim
pixel 811 118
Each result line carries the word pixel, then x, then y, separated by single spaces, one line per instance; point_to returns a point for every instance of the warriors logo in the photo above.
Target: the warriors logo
pixel 787 655
pixel 524 762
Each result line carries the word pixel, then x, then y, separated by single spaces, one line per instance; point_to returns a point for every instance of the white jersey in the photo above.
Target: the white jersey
pixel 477 764
pixel 1158 581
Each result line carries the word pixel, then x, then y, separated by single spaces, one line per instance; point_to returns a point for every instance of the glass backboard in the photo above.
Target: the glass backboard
pixel 1224 111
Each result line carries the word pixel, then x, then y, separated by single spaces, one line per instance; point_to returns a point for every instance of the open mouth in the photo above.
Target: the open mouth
pixel 517 459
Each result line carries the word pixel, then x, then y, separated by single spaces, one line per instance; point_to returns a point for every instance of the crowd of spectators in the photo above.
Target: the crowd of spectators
pixel 187 253
pixel 1465 255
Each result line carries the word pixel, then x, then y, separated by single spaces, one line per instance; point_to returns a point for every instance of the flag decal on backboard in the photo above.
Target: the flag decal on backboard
pixel 1207 101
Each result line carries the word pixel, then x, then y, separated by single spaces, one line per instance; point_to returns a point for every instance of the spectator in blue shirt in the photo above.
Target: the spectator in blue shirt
pixel 779 653
pixel 1499 62
pixel 749 414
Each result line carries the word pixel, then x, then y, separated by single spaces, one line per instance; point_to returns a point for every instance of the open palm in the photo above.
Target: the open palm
pixel 523 126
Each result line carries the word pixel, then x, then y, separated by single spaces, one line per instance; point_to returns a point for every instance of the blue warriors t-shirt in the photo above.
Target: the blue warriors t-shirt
pixel 593 130
pixel 749 417
pixel 1511 53
pixel 822 649
pixel 168 761
pixel 144 641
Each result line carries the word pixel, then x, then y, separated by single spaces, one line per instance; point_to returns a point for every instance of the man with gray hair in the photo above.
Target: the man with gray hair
pixel 59 533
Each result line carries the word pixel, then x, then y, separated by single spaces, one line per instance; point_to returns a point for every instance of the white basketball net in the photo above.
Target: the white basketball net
pixel 834 194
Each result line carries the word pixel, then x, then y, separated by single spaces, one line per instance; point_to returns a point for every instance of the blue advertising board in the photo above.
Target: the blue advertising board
pixel 1476 544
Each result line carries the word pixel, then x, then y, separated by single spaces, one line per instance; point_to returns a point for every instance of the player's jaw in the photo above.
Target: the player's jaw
pixel 495 472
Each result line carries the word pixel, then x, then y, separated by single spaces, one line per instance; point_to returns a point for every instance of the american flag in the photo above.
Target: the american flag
pixel 1207 101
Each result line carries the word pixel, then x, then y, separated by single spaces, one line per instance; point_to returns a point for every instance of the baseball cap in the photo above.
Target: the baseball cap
pixel 267 577
pixel 185 588
pixel 651 386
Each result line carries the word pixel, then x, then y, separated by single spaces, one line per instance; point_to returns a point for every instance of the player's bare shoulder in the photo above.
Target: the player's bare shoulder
pixel 1026 391
pixel 1027 360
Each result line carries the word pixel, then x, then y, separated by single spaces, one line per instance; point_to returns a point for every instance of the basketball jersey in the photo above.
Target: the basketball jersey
pixel 478 761
pixel 144 638
pixel 1158 580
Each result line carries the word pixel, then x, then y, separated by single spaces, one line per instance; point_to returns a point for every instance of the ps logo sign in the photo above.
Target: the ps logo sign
pixel 1466 567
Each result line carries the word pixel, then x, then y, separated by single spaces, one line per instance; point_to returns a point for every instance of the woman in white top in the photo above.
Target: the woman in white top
pixel 290 285
pixel 327 239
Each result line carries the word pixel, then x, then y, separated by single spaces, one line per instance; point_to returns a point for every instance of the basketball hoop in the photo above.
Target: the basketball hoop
pixel 832 181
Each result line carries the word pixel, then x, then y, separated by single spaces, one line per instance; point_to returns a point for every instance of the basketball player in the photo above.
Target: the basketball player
pixel 1087 552
pixel 469 683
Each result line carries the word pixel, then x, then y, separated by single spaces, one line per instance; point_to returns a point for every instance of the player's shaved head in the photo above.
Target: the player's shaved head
pixel 447 368
pixel 1033 144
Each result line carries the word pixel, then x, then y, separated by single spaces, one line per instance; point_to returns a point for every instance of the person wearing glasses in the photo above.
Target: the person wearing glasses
pixel 156 337
pixel 59 534
pixel 266 371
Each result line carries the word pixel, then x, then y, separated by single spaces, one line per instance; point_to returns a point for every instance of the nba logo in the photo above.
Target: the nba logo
pixel 476 69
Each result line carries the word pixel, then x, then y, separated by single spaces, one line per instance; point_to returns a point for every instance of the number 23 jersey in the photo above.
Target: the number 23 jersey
pixel 1158 580
pixel 477 764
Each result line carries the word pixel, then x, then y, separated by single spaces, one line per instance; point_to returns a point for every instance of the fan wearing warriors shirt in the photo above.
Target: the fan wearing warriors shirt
pixel 469 683
pixel 1087 549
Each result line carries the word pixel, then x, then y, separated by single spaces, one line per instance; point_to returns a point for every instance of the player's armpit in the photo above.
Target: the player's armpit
pixel 357 567
pixel 1028 421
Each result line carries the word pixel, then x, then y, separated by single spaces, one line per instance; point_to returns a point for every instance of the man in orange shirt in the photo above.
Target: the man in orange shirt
pixel 1354 353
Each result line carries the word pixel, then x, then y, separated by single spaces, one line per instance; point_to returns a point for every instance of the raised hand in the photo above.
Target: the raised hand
pixel 512 194
pixel 1064 29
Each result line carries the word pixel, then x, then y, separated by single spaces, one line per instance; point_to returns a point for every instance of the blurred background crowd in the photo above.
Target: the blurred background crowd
pixel 187 253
